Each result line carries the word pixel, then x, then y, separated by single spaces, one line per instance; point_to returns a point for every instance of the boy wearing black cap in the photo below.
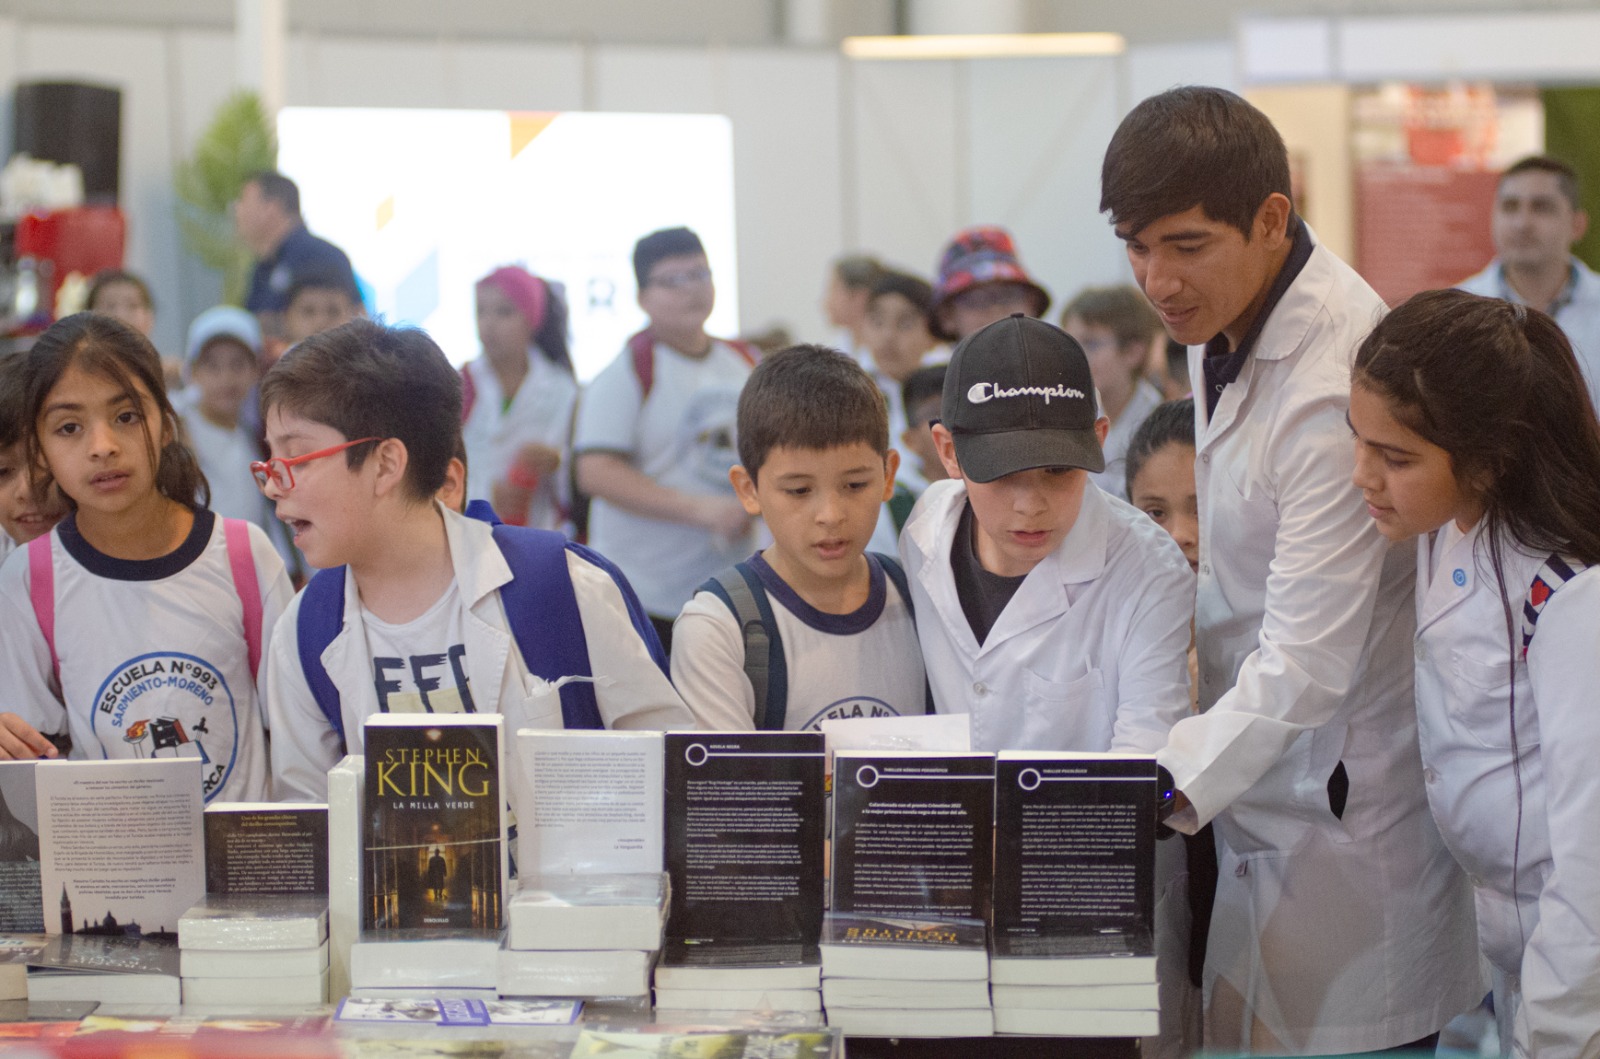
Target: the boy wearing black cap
pixel 1057 616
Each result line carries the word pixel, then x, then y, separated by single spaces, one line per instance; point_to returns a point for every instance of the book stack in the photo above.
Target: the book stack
pixel 105 969
pixel 889 977
pixel 745 855
pixel 1074 895
pixel 583 935
pixel 904 949
pixel 265 950
pixel 433 858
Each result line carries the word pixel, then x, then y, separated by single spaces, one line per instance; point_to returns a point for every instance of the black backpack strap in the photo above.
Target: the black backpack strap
pixel 897 575
pixel 741 590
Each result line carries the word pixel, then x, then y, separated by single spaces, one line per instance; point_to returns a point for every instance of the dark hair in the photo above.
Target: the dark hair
pixel 278 188
pixel 110 277
pixel 809 397
pixel 1171 423
pixel 1121 309
pixel 922 384
pixel 913 289
pixel 366 379
pixel 325 279
pixel 13 399
pixel 104 346
pixel 552 336
pixel 1566 176
pixel 1188 147
pixel 658 246
pixel 858 271
pixel 1497 387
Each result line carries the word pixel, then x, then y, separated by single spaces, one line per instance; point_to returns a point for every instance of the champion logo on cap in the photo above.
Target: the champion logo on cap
pixel 982 392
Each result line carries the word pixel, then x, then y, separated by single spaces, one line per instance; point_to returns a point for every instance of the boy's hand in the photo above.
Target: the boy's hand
pixel 20 741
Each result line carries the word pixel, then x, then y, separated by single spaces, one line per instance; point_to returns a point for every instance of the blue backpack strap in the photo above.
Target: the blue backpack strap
pixel 897 574
pixel 321 618
pixel 542 610
pixel 764 665
pixel 637 616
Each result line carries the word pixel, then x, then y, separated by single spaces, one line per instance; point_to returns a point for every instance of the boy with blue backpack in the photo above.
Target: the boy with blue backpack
pixel 813 627
pixel 416 608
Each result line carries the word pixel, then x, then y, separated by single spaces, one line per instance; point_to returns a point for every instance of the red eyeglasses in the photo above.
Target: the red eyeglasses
pixel 280 471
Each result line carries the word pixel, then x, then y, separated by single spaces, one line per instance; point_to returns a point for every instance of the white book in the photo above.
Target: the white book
pixel 932 731
pixel 248 922
pixel 1136 996
pixel 346 793
pixel 463 963
pixel 297 989
pixel 104 988
pixel 268 963
pixel 15 952
pixel 1105 970
pixel 588 801
pixel 120 841
pixel 738 965
pixel 1077 1023
pixel 913 1022
pixel 559 974
pixel 803 1000
pixel 857 946
pixel 570 911
pixel 903 993
pixel 368 993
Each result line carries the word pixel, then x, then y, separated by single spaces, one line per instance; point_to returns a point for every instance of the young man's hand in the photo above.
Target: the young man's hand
pixel 20 741
pixel 724 518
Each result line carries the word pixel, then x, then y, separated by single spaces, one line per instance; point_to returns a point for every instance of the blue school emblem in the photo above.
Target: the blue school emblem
pixel 168 704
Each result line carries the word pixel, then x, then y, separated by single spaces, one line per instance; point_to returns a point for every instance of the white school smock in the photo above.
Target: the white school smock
pixel 1349 934
pixel 154 661
pixel 541 411
pixel 1090 654
pixel 632 691
pixel 1542 919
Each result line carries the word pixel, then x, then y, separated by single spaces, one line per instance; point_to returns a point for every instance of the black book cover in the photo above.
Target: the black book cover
pixel 744 835
pixel 256 848
pixel 21 899
pixel 1074 870
pixel 434 829
pixel 732 954
pixel 912 834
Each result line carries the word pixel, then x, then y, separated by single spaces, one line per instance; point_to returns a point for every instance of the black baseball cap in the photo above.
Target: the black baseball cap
pixel 1018 395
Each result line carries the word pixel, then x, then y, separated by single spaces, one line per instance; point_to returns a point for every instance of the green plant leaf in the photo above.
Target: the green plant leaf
pixel 239 141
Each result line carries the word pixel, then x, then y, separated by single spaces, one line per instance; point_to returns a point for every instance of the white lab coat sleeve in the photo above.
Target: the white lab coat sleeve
pixel 304 745
pixel 1321 588
pixel 1560 1013
pixel 1153 670
pixel 630 689
pixel 25 678
pixel 708 666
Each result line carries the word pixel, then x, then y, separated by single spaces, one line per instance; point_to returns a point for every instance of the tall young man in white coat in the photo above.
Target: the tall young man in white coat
pixel 1341 922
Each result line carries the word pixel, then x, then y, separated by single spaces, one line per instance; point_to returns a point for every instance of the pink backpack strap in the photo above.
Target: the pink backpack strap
pixel 745 350
pixel 469 394
pixel 42 589
pixel 242 561
pixel 642 348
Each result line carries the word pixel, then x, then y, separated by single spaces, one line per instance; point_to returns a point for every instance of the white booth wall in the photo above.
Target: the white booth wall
pixel 830 154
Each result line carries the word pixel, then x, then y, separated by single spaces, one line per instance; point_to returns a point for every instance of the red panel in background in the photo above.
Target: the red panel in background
pixel 1421 227
pixel 84 240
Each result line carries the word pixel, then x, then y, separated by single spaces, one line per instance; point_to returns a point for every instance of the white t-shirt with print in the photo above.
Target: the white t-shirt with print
pixel 682 436
pixel 419 666
pixel 153 656
pixel 863 664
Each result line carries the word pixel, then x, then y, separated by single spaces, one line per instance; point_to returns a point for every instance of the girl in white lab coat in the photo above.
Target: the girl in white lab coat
pixel 1475 434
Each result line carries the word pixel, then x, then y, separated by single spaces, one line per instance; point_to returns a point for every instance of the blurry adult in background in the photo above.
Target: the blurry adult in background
pixel 981 281
pixel 518 400
pixel 1116 328
pixel 850 281
pixel 126 297
pixel 267 217
pixel 1536 220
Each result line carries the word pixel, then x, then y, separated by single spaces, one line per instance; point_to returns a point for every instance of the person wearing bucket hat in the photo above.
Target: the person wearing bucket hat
pixel 1055 615
pixel 981 281
pixel 221 366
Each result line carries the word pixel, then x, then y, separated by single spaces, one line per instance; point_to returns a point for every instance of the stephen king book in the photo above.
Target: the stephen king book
pixel 434 834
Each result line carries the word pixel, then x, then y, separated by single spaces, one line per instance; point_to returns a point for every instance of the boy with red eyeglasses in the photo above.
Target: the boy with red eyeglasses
pixel 416 608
